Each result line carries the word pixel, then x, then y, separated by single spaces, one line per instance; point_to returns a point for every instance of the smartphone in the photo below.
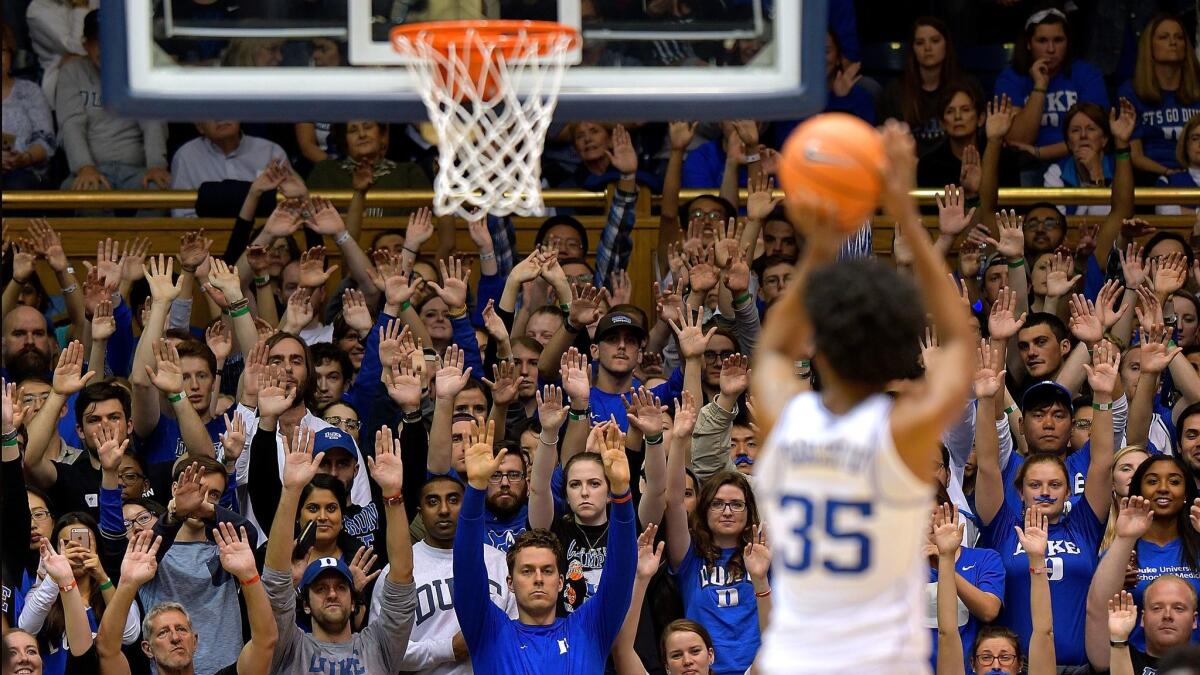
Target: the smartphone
pixel 82 536
pixel 307 538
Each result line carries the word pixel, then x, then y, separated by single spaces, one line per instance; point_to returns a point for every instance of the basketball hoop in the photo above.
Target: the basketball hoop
pixel 490 137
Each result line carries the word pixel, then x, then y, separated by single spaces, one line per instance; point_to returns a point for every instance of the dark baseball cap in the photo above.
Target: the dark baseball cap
pixel 322 565
pixel 617 320
pixel 332 437
pixel 1045 393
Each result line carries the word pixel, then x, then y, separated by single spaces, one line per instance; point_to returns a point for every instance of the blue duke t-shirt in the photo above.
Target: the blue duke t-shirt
pixel 1077 463
pixel 724 605
pixel 982 568
pixel 1081 81
pixel 1155 561
pixel 1159 125
pixel 1071 560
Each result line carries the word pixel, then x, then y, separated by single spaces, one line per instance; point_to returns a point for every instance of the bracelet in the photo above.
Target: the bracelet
pixel 69 587
pixel 1121 154
pixel 414 416
pixel 762 594
pixel 259 282
pixel 620 499
pixel 566 309
pixel 394 499
pixel 240 311
pixel 1118 643
pixel 70 289
pixel 580 414
pixel 485 257
pixel 238 304
pixel 342 238
pixel 406 305
pixel 188 270
pixel 409 250
pixel 252 580
pixel 10 444
pixel 9 436
pixel 1010 410
pixel 176 397
pixel 741 298
pixel 457 313
pixel 804 363
pixel 1040 90
pixel 1037 570
pixel 106 585
pixel 546 442
pixel 1013 264
pixel 654 440
pixel 570 327
pixel 1102 406
pixel 629 176
pixel 753 157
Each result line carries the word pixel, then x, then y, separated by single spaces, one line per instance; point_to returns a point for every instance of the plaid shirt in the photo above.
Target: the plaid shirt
pixel 504 238
pixel 616 242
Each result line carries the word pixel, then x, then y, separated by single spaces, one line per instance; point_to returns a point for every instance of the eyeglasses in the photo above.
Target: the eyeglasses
pixel 39 514
pixel 512 476
pixel 130 476
pixel 1005 659
pixel 1042 224
pixel 30 399
pixel 718 505
pixel 143 519
pixel 716 357
pixel 1082 425
pixel 351 424
pixel 713 216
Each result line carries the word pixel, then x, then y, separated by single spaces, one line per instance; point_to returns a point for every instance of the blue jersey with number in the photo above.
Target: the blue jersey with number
pixel 848 520
pixel 1071 559
pixel 724 603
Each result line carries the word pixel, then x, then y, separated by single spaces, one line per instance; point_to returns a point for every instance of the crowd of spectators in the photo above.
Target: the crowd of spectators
pixel 420 458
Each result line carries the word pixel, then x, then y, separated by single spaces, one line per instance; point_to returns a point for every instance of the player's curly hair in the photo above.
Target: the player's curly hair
pixel 867 321
pixel 535 539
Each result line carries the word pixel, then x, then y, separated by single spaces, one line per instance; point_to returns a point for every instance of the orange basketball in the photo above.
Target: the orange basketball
pixel 841 159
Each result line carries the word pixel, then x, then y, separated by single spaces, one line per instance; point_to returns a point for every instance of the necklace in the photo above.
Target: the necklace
pixel 591 544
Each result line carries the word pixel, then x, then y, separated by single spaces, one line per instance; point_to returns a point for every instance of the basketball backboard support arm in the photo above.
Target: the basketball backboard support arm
pixel 136 84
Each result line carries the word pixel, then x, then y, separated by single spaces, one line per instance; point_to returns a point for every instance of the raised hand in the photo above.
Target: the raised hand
pixel 728 241
pixel 299 310
pixel 1122 616
pixel 669 302
pixel 622 156
pixel 312 268
pixel 13 416
pixel 1122 120
pixel 1149 310
pixel 387 468
pixel 585 307
pixel 552 411
pixel 236 556
pixel 1134 517
pixel 622 287
pixel 225 278
pixel 504 386
pixel 616 463
pixel 1155 350
pixel 999 118
pixel 681 134
pixel 109 449
pixel 23 260
pixel 1133 265
pixel 166 374
pixel 989 376
pixel 419 230
pixel 574 372
pixel 735 376
pixel 1085 322
pixel 1034 536
pixel 48 244
pixel 193 250
pixel 158 275
pixel 103 323
pixel 391 342
pixel 1102 373
pixel 703 272
pixel 649 555
pixel 403 384
pixel 451 378
pixel 274 395
pixel 259 260
pixel 188 495
pixel 845 79
pixel 453 289
pixel 953 217
pixel 233 439
pixel 68 375
pixel 757 554
pixel 390 276
pixel 493 324
pixel 108 266
pixel 1111 295
pixel 1086 245
pixel 737 274
pixel 299 463
pixel 326 219
pixel 686 413
pixel 760 201
pixel 970 174
pixel 477 227
pixel 1168 274
pixel 480 461
pixel 1002 325
pixel 56 565
pixel 140 563
pixel 528 269
pixel 1011 244
pixel 285 219
pixel 355 312
pixel 361 564
pixel 1059 281
pixel 644 411
pixel 691 336
pixel 946 530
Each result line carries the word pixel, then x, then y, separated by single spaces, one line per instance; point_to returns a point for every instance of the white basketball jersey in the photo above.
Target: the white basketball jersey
pixel 846 520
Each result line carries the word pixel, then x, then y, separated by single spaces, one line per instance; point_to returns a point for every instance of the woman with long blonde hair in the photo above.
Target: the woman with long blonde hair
pixel 1125 464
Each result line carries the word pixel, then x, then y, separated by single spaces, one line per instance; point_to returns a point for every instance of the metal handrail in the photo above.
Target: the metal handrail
pixel 54 200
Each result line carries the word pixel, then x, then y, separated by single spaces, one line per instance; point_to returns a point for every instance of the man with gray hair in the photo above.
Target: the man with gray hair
pixel 167 635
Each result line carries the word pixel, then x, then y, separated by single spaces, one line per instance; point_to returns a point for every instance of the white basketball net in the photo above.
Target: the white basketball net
pixel 489 139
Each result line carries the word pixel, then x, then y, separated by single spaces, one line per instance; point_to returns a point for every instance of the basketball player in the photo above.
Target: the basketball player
pixel 845 476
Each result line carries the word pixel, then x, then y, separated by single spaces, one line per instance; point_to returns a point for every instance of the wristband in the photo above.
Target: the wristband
pixel 106 585
pixel 409 250
pixel 654 440
pixel 176 397
pixel 485 257
pixel 259 282
pixel 394 499
pixel 1013 264
pixel 10 443
pixel 415 416
pixel 252 580
pixel 566 309
pixel 70 289
pixel 804 363
pixel 741 298
pixel 1118 643
pixel 626 496
pixel 753 157
pixel 629 176
pixel 570 327
pixel 1040 90
pixel 543 441
pixel 1102 406
pixel 9 436
pixel 1010 410
pixel 579 414
pixel 342 238
pixel 457 313
pixel 240 311
pixel 762 594
pixel 1037 570
pixel 406 305
pixel 69 587
pixel 1121 154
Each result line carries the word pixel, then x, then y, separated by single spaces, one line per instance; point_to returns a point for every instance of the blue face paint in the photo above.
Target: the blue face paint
pixel 1043 499
pixel 743 459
